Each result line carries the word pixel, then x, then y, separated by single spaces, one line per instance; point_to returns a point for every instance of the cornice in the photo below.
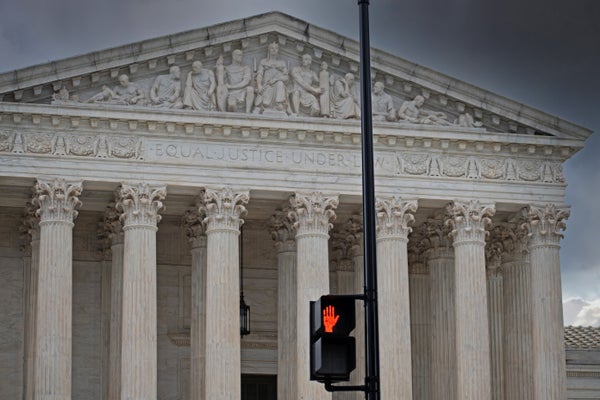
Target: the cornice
pixel 227 126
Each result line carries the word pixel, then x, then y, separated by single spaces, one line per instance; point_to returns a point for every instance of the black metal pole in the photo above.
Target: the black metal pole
pixel 368 180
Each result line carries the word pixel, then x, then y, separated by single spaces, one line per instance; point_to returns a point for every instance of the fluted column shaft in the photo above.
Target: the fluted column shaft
pixel 116 318
pixel 420 330
pixel 283 233
pixel 549 369
pixel 105 285
pixel 393 218
pixel 224 210
pixel 472 330
pixel 195 230
pixel 53 343
pixel 495 314
pixel 140 205
pixel 443 325
pixel 358 259
pixel 518 357
pixel 31 268
pixel 312 213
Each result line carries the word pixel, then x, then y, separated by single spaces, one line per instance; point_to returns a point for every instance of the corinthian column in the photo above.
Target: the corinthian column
pixel 31 231
pixel 114 227
pixel 284 234
pixel 518 357
pixel 224 211
pixel 544 224
pixel 472 332
pixel 140 205
pixel 439 256
pixel 393 218
pixel 313 213
pixel 57 200
pixel 195 229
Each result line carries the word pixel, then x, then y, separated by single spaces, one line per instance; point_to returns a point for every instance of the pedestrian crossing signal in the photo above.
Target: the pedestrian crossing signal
pixel 332 349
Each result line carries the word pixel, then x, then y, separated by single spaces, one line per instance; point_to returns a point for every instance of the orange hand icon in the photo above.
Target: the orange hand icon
pixel 329 318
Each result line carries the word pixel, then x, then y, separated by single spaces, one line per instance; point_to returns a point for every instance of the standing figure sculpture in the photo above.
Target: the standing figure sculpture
pixel 166 90
pixel 412 111
pixel 383 105
pixel 271 79
pixel 234 85
pixel 345 105
pixel 324 98
pixel 199 93
pixel 304 93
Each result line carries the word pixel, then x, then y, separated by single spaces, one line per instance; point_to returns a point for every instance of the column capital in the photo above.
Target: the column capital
pixel 436 240
pixel 512 239
pixel 494 251
pixel 313 212
pixel 112 224
pixel 224 208
pixel 194 226
pixel 140 204
pixel 283 230
pixel 468 220
pixel 544 223
pixel 354 227
pixel 30 229
pixel 57 200
pixel 393 217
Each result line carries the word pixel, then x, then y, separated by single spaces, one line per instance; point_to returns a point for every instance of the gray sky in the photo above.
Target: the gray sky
pixel 544 53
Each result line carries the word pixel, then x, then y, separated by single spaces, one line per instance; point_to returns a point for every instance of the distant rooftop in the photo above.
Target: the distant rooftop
pixel 582 338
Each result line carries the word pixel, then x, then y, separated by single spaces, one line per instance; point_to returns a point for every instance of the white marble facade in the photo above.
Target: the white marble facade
pixel 129 181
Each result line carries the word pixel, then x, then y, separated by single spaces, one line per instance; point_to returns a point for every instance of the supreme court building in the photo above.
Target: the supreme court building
pixel 130 174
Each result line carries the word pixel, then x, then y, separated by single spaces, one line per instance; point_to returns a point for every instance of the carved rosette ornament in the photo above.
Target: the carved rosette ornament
pixel 140 205
pixel 469 220
pixel 283 230
pixel 313 213
pixel 224 209
pixel 545 223
pixel 393 217
pixel 57 200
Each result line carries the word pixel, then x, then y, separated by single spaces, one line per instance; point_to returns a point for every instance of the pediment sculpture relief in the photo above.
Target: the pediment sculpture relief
pixel 272 88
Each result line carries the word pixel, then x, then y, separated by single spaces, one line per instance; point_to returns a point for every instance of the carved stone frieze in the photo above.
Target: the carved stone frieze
pixel 313 212
pixel 489 168
pixel 140 204
pixel 224 208
pixel 57 200
pixel 393 216
pixel 80 145
pixel 544 223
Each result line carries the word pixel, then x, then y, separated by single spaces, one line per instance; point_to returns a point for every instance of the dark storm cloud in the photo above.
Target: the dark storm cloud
pixel 543 53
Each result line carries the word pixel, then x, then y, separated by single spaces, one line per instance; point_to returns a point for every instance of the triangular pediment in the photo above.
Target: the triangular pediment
pixel 93 78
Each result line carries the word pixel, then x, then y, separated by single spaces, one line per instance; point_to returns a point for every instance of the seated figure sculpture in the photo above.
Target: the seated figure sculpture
pixel 383 105
pixel 344 103
pixel 199 93
pixel 412 111
pixel 166 90
pixel 271 79
pixel 234 85
pixel 125 93
pixel 304 100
